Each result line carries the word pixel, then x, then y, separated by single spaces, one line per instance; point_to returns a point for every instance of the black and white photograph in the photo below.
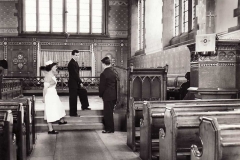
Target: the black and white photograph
pixel 119 79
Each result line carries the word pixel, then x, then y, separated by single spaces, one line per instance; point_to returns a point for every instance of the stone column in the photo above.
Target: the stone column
pixel 236 13
pixel 215 75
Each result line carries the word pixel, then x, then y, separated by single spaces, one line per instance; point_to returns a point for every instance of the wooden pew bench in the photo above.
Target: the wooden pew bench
pixel 19 128
pixel 220 138
pixel 153 120
pixel 144 84
pixel 8 148
pixel 182 128
pixel 135 113
pixel 29 118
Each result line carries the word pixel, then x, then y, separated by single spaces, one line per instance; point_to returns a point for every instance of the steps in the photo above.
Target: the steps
pixel 89 119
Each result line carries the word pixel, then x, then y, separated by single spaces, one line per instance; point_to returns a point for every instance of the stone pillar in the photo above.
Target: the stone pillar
pixel 236 13
pixel 215 75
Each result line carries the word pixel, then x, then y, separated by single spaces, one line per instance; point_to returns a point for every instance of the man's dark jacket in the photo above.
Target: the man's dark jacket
pixel 108 85
pixel 73 69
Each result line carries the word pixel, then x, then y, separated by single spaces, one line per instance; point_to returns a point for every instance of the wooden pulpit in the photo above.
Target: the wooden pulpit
pixel 215 74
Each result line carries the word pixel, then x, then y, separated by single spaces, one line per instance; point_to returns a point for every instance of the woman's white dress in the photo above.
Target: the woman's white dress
pixel 54 109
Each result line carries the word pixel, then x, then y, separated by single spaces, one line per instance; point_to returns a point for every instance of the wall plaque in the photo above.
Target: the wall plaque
pixel 205 42
pixel 20 61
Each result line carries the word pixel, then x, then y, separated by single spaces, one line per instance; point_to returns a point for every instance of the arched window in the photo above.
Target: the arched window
pixel 61 16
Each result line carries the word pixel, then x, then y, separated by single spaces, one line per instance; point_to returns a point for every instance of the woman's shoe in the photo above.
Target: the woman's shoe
pixel 64 122
pixel 53 132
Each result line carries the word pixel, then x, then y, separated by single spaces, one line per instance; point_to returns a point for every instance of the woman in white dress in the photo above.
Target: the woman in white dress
pixel 54 110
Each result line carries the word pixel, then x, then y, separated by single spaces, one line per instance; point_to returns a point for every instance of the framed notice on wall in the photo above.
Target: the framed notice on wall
pixel 205 42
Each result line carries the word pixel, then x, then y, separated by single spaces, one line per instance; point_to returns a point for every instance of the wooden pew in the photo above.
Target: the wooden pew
pixel 220 138
pixel 8 148
pixel 19 128
pixel 33 113
pixel 10 88
pixel 153 120
pixel 145 84
pixel 28 118
pixel 182 128
pixel 135 113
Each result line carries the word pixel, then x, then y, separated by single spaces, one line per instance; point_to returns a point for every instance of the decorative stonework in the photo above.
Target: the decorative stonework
pixel 208 64
pixel 20 61
pixel 5 48
pixel 194 65
pixel 227 64
pixel 194 57
pixel 207 58
pixel 227 56
pixel 35 49
pixel 19 43
pixel 121 53
pixel 228 47
pixel 9 31
pixel 64 43
pixel 118 33
pixel 118 3
pixel 109 44
pixel 215 64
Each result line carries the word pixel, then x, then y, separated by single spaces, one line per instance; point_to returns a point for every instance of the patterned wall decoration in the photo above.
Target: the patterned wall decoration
pixel 5 43
pixel 20 52
pixel 178 60
pixel 118 18
pixel 13 46
pixel 64 44
pixel 20 60
pixel 8 18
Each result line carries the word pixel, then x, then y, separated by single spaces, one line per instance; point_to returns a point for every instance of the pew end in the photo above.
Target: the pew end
pixel 220 139
pixel 8 147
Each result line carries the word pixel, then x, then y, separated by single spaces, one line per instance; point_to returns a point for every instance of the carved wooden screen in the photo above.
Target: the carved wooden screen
pixel 148 84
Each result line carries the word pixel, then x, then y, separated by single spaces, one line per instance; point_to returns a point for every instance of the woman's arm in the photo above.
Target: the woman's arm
pixel 46 85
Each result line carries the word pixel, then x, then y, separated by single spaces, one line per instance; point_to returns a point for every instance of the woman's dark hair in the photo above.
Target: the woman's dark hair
pixel 106 61
pixel 49 67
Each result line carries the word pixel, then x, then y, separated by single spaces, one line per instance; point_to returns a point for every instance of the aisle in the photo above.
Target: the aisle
pixel 82 145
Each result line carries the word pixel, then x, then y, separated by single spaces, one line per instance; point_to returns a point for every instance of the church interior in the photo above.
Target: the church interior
pixel 176 63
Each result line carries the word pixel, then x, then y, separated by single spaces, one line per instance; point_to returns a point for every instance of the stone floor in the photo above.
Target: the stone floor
pixel 83 144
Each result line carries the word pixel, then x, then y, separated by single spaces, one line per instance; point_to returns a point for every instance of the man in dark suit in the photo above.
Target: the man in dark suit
pixel 75 86
pixel 108 92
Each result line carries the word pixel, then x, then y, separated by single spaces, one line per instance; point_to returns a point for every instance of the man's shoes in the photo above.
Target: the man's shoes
pixel 86 109
pixel 107 131
pixel 53 132
pixel 77 115
pixel 64 122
